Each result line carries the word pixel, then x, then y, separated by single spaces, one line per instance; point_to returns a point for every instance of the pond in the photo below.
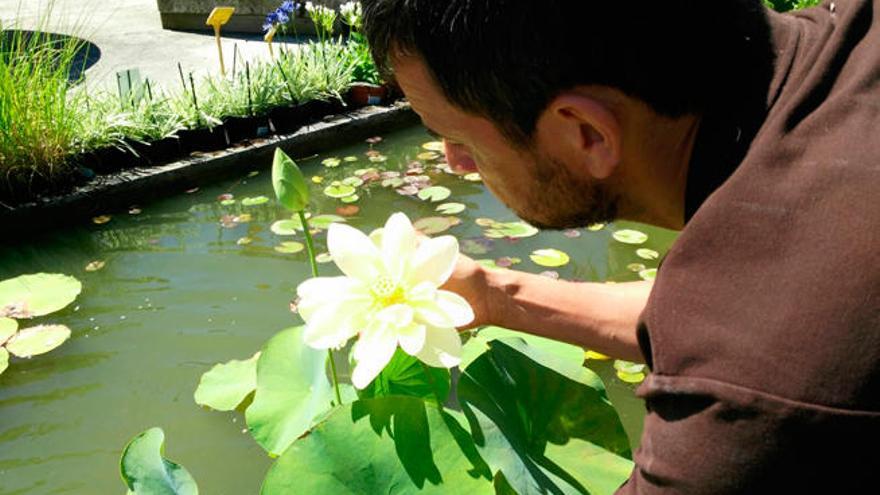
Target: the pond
pixel 187 282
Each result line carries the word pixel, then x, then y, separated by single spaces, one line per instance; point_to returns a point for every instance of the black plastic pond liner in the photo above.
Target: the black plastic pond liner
pixel 158 152
pixel 244 128
pixel 204 139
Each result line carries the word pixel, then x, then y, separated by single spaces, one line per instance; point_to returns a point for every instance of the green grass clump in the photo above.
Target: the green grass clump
pixel 786 5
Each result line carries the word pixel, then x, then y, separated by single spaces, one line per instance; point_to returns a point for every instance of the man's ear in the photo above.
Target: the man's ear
pixel 584 133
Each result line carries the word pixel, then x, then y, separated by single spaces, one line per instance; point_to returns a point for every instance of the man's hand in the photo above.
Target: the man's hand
pixel 470 281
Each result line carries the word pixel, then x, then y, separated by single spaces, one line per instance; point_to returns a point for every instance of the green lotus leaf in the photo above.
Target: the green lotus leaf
pixel 290 185
pixel 292 390
pixel 225 386
pixel 290 247
pixel 384 445
pixel 451 208
pixel 551 258
pixel 406 375
pixel 629 236
pixel 339 190
pixel 434 194
pixel 40 294
pixel 649 274
pixel 648 254
pixel 255 201
pixel 146 472
pixel 8 327
pixel 555 351
pixel 37 340
pixel 4 360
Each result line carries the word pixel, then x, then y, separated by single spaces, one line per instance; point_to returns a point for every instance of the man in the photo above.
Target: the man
pixel 758 135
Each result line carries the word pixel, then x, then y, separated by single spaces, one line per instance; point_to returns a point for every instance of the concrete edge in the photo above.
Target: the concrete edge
pixel 143 185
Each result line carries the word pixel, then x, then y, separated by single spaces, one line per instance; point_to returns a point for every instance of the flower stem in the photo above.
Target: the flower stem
pixel 310 249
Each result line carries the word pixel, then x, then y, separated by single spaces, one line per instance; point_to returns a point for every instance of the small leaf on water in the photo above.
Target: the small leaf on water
pixel 435 225
pixel 374 140
pixel 434 194
pixel 631 377
pixel 514 230
pixel 628 367
pixel 629 236
pixel 550 257
pixel 649 274
pixel 393 182
pixel 4 360
pixel 290 185
pixel 323 222
pixel 146 472
pixel 331 162
pixel 596 227
pixel 225 197
pixel 243 218
pixel 101 220
pixel 348 210
pixel 635 267
pixel 323 258
pixel 38 294
pixel 8 327
pixel 473 177
pixel 378 158
pixel 451 208
pixel 408 191
pixel 227 202
pixel 477 246
pixel 37 340
pixel 350 159
pixel 255 201
pixel 244 241
pixel 427 156
pixel 354 198
pixel 485 222
pixel 489 264
pixel 290 247
pixel 253 173
pixel 192 191
pixel 648 254
pixel 366 171
pixel 338 190
pixel 134 211
pixel 572 233
pixel 596 356
pixel 95 265
pixel 353 181
pixel 317 179
pixel 435 146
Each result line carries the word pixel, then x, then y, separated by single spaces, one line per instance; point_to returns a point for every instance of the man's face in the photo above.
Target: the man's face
pixel 528 179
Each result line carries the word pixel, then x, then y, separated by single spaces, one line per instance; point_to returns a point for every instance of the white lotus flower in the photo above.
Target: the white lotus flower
pixel 389 295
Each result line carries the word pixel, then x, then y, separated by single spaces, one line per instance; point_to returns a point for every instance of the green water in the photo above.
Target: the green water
pixel 178 294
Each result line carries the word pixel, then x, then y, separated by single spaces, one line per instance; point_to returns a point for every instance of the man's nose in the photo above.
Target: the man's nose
pixel 459 159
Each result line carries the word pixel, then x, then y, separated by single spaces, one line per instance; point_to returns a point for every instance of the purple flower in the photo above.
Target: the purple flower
pixel 288 6
pixel 282 16
pixel 270 21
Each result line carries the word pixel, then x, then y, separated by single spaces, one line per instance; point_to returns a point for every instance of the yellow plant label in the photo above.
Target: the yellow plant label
pixel 220 16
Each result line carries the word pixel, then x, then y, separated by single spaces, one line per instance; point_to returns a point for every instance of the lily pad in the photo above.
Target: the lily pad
pixel 244 241
pixel 427 156
pixel 331 162
pixel 628 367
pixel 227 385
pixel 354 198
pixel 339 190
pixel 350 159
pixel 146 472
pixel 353 181
pixel 478 246
pixel 649 274
pixel 434 194
pixel 629 236
pixel 255 201
pixel 596 356
pixel 324 258
pixel 393 182
pixel 551 258
pixel 8 327
pixel 473 177
pixel 323 222
pixel 378 158
pixel 227 202
pixel 648 254
pixel 95 265
pixel 101 219
pixel 451 208
pixel 435 225
pixel 486 222
pixel 631 377
pixel 596 227
pixel 290 247
pixel 286 227
pixel 435 146
pixel 636 267
pixel 40 294
pixel 513 230
pixel 37 340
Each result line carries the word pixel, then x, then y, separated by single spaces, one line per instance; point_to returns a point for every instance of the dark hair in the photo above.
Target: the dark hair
pixel 507 59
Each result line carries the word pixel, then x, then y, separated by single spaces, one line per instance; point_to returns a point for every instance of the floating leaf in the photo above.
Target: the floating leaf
pixel 434 194
pixel 286 227
pixel 369 171
pixel 477 246
pixel 350 159
pixel 629 236
pixel 378 158
pixel 374 140
pixel 95 265
pixel 8 327
pixel 324 258
pixel 387 445
pixel 255 201
pixel 354 198
pixel 292 389
pixel 37 340
pixel 225 197
pixel 552 258
pixel 290 247
pixel 101 220
pixel 596 356
pixel 317 179
pixel 435 225
pixel 331 162
pixel 473 177
pixel 629 367
pixel 323 222
pixel 353 181
pixel 486 222
pixel 146 472
pixel 243 218
pixel 451 208
pixel 649 274
pixel 338 190
pixel 636 267
pixel 513 230
pixel 244 241
pixel 227 385
pixel 631 377
pixel 427 156
pixel 435 146
pixel 135 211
pixel 408 191
pixel 648 254
pixel 4 360
pixel 393 182
pixel 349 210
pixel 289 183
pixel 572 233
pixel 596 227
pixel 28 296
pixel 227 202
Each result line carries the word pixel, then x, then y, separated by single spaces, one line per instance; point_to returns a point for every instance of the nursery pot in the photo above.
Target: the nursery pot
pixel 203 139
pixel 288 119
pixel 107 160
pixel 158 152
pixel 244 128
pixel 362 94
